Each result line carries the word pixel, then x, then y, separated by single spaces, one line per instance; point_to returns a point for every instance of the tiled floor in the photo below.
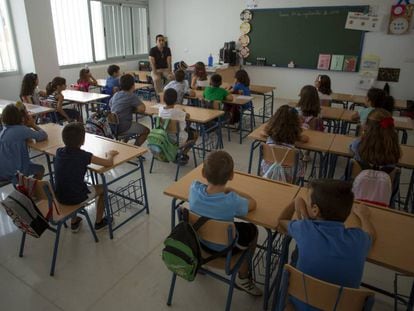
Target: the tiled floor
pixel 125 273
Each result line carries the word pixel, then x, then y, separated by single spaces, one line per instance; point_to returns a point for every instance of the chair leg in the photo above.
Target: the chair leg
pixel 85 213
pixel 177 171
pixel 152 164
pixel 55 249
pixel 230 292
pixel 170 294
pixel 22 244
pixel 194 156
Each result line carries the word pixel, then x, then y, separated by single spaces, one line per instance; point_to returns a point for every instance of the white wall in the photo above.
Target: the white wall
pixel 195 29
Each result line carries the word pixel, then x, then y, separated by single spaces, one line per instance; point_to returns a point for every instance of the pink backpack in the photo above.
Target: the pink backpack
pixel 373 186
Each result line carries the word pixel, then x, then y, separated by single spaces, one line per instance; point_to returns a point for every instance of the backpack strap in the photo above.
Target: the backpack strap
pixel 284 156
pixel 165 124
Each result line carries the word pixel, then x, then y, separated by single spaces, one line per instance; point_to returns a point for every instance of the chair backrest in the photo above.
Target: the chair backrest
pixel 211 104
pixel 173 126
pixel 356 169
pixel 283 155
pixel 324 295
pixel 215 231
pixel 113 121
pixel 143 76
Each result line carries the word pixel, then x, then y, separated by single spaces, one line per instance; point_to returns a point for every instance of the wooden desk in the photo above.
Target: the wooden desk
pixel 271 198
pixel 31 109
pixel 261 89
pixel 54 137
pixel 331 113
pixel 400 104
pixel 264 191
pixel 341 97
pixel 197 114
pixel 82 97
pixel 101 82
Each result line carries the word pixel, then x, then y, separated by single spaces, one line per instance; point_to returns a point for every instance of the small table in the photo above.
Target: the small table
pixel 318 142
pixel 31 109
pixel 268 98
pixel 83 98
pixel 271 197
pixel 201 116
pixel 99 146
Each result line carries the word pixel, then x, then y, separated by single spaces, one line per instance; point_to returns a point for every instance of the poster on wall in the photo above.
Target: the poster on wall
pixel 251 4
pixel 400 18
pixel 324 61
pixel 350 62
pixel 364 22
pixel 337 62
pixel 388 74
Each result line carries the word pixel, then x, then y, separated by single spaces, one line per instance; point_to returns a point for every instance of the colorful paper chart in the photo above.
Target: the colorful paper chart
pixel 350 63
pixel 245 28
pixel 244 40
pixel 324 61
pixel 246 15
pixel 337 62
pixel 244 52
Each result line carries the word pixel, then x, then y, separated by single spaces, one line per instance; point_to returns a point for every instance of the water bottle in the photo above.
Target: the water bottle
pixel 210 61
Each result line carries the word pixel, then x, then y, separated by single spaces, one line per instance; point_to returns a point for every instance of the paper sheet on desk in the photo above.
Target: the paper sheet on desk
pixel 402 119
pixel 244 97
pixel 158 105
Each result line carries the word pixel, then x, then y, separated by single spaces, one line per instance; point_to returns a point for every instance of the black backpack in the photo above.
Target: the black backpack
pixel 182 251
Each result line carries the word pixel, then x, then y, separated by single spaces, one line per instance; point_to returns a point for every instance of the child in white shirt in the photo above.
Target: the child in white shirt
pixel 180 85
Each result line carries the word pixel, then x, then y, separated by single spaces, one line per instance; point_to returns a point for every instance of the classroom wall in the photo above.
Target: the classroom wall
pixel 200 28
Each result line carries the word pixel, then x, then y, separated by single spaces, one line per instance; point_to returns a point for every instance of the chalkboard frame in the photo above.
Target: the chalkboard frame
pixel 363 8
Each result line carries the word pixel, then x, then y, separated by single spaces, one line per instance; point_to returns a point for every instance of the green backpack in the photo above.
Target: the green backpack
pixel 182 251
pixel 159 143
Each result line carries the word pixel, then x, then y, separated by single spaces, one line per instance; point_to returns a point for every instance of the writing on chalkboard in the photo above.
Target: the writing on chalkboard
pixel 306 14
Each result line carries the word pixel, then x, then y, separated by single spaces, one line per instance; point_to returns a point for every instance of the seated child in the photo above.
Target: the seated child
pixel 199 77
pixel 310 108
pixel 323 85
pixel 71 163
pixel 112 82
pixel 240 87
pixel 55 98
pixel 85 80
pixel 378 146
pixel 186 134
pixel 18 128
pixel 375 98
pixel 219 202
pixel 180 85
pixel 215 92
pixel 326 249
pixel 284 130
pixel 29 92
pixel 125 104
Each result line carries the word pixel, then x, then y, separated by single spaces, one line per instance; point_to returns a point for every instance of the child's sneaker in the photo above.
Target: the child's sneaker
pixel 103 224
pixel 75 226
pixel 248 286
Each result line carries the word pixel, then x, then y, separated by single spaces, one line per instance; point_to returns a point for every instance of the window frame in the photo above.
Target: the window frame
pixel 13 34
pixel 111 60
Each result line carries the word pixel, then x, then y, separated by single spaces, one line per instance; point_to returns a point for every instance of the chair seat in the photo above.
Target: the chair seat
pixel 220 263
pixel 64 210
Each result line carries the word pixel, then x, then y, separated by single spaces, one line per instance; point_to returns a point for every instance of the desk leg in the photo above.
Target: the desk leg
pixel 49 167
pixel 203 141
pixel 264 108
pixel 253 147
pixel 283 259
pixel 410 194
pixel 404 137
pixel 241 124
pixel 144 185
pixel 107 206
pixel 410 303
pixel 271 107
pixel 270 238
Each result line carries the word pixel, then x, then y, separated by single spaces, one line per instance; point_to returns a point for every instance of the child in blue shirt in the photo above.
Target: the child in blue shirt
pixel 71 163
pixel 327 250
pixel 112 82
pixel 216 201
pixel 241 87
pixel 18 128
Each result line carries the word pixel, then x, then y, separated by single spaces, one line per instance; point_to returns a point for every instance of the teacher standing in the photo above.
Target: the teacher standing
pixel 160 59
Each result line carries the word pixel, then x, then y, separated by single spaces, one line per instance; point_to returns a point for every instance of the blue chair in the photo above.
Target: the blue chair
pixel 46 201
pixel 224 233
pixel 320 294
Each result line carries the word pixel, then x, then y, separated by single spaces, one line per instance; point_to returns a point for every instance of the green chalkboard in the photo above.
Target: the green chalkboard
pixel 301 34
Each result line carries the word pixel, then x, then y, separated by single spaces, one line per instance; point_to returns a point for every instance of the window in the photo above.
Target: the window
pixel 72 31
pixel 126 30
pixel 8 61
pixel 101 31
